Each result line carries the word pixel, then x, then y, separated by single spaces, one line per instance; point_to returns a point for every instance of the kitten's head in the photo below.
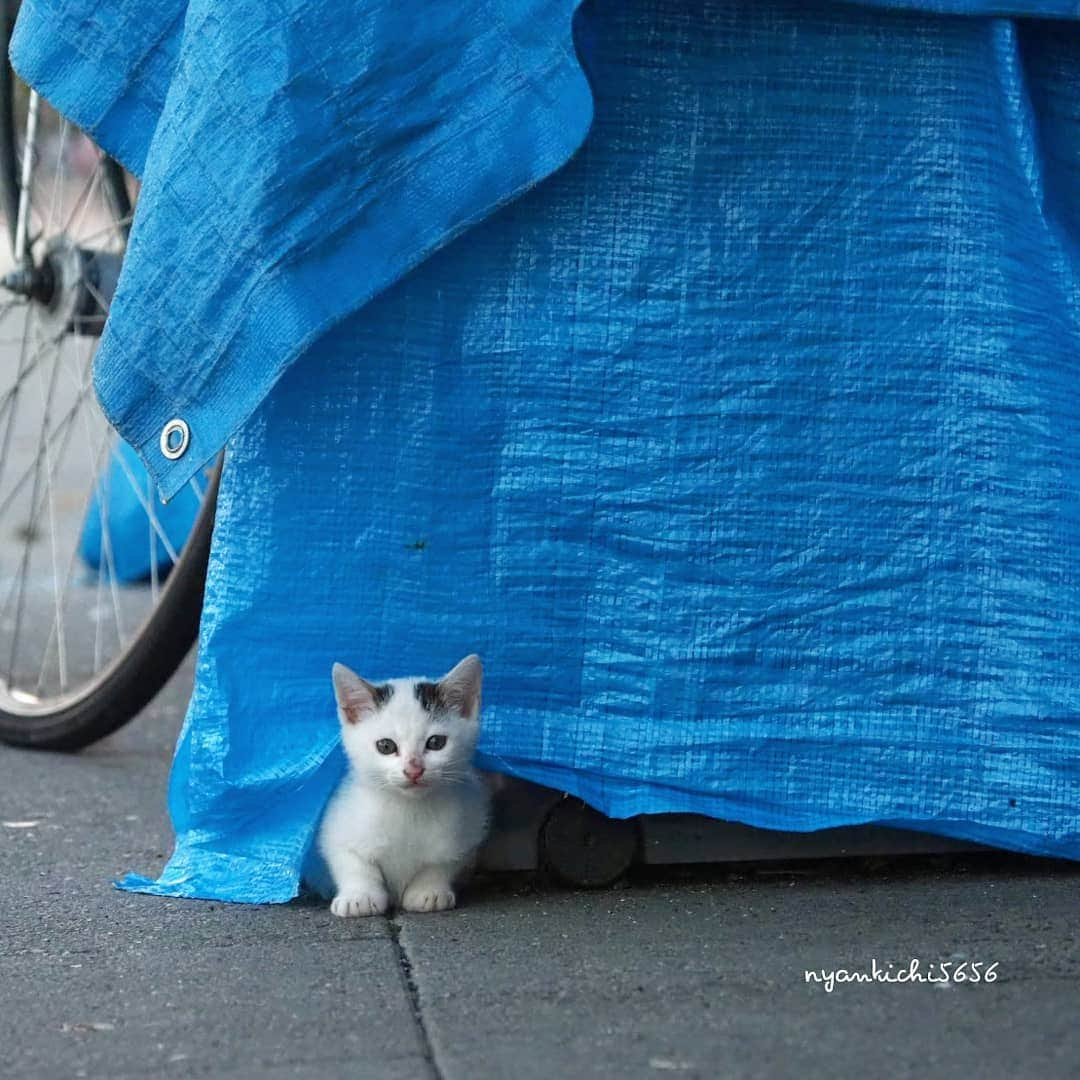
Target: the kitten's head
pixel 411 735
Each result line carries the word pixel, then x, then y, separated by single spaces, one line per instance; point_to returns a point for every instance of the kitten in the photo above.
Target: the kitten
pixel 410 815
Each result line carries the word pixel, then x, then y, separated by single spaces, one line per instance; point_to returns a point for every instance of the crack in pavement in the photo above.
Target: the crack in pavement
pixel 413 991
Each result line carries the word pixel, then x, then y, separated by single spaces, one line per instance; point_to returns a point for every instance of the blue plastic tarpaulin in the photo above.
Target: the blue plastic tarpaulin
pixel 744 447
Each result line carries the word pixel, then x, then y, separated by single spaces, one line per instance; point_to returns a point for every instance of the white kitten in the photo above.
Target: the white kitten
pixel 407 820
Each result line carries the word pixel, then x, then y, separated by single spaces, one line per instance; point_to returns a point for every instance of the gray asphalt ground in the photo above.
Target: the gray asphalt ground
pixel 688 973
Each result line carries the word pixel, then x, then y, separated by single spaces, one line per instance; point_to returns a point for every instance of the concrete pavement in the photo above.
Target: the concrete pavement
pixel 690 974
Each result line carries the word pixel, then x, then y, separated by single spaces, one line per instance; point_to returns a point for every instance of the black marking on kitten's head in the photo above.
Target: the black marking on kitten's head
pixel 382 694
pixel 458 691
pixel 429 696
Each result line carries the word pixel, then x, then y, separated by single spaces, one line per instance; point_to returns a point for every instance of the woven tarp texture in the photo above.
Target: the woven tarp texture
pixel 289 175
pixel 744 448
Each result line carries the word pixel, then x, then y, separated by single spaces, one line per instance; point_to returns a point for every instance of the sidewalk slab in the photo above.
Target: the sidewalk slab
pixel 707 978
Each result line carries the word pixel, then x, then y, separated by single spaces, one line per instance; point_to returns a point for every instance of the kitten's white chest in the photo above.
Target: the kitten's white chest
pixel 403 836
pixel 420 838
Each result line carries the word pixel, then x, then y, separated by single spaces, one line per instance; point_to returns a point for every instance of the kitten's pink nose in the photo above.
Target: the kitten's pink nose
pixel 414 770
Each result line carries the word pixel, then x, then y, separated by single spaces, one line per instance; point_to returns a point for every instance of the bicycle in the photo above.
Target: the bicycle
pixel 80 653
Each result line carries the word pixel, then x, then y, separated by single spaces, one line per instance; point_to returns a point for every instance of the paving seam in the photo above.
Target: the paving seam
pixel 413 991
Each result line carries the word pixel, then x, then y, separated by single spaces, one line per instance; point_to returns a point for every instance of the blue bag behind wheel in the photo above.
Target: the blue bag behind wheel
pixel 126 494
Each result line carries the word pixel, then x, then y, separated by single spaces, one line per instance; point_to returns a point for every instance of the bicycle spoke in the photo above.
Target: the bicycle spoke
pixel 58 178
pixel 80 371
pixel 83 200
pixel 148 508
pixel 106 543
pixel 63 428
pixel 22 222
pixel 41 347
pixel 117 241
pixel 66 427
pixel 101 301
pixel 15 301
pixel 61 645
pixel 119 223
pixel 24 366
pixel 73 561
pixel 29 537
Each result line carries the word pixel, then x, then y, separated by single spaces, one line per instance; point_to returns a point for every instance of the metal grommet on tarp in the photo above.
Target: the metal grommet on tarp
pixel 175 437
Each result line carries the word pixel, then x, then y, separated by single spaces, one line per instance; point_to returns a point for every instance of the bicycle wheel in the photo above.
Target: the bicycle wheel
pixel 80 652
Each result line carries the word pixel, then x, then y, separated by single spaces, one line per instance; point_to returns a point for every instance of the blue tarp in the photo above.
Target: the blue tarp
pixel 744 448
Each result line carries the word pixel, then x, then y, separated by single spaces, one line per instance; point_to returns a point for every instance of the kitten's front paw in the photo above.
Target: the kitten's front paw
pixel 428 898
pixel 358 904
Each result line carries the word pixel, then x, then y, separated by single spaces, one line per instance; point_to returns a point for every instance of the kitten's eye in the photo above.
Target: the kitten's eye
pixel 386 746
pixel 436 742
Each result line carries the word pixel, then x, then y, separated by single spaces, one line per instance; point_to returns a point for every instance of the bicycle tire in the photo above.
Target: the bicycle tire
pixel 117 692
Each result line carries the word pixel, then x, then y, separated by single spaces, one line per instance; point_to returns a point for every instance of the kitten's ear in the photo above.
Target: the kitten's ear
pixel 460 688
pixel 356 697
